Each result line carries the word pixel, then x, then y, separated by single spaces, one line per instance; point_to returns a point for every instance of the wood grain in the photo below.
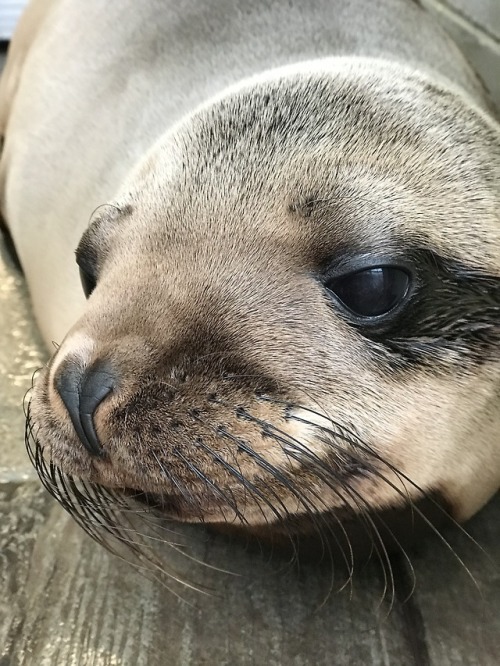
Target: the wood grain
pixel 66 601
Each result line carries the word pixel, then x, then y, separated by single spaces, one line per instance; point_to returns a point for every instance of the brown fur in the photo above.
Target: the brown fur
pixel 244 394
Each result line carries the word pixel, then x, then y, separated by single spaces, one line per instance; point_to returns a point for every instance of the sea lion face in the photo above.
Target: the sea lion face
pixel 293 307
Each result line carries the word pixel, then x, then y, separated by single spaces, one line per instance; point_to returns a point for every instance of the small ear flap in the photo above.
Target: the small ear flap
pixel 88 282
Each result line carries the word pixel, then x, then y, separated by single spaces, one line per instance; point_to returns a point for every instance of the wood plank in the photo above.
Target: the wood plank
pixel 461 613
pixel 67 601
pixel 21 353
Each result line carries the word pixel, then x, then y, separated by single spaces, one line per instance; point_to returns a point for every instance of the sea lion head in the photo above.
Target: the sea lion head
pixel 293 307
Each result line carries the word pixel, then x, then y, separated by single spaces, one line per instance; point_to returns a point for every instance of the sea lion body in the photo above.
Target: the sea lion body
pixel 255 154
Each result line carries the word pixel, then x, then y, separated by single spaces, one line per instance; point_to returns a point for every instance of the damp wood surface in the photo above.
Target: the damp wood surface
pixel 65 601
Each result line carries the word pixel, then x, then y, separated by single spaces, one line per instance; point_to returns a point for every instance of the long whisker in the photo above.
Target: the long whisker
pixel 230 501
pixel 312 510
pixel 415 508
pixel 189 497
pixel 79 500
pixel 365 516
pixel 319 467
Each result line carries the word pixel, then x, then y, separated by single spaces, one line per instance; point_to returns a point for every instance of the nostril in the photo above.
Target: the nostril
pixel 82 391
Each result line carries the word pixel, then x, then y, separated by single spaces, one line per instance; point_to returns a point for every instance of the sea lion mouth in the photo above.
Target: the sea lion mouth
pixel 144 527
pixel 285 487
pixel 169 505
pixel 120 518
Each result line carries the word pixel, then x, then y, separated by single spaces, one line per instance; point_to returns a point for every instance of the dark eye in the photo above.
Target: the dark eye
pixel 88 282
pixel 371 292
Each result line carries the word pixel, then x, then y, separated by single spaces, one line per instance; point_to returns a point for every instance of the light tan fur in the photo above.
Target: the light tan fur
pixel 373 130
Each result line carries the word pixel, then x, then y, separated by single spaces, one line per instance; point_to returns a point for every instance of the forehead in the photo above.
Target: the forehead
pixel 320 160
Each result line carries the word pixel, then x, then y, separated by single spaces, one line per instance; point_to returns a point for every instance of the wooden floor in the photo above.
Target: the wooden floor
pixel 65 601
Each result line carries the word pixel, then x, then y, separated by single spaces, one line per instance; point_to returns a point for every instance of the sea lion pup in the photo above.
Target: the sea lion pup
pixel 293 294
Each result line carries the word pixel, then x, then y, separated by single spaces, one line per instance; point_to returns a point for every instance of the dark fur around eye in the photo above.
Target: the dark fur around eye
pixel 449 316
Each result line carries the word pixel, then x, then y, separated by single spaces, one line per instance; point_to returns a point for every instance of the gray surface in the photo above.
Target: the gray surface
pixel 20 356
pixel 485 14
pixel 66 601
pixel 475 26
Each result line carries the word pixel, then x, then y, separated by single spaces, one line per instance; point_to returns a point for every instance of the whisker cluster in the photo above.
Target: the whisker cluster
pixel 111 516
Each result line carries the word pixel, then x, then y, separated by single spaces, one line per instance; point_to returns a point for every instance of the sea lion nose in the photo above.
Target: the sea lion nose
pixel 82 390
